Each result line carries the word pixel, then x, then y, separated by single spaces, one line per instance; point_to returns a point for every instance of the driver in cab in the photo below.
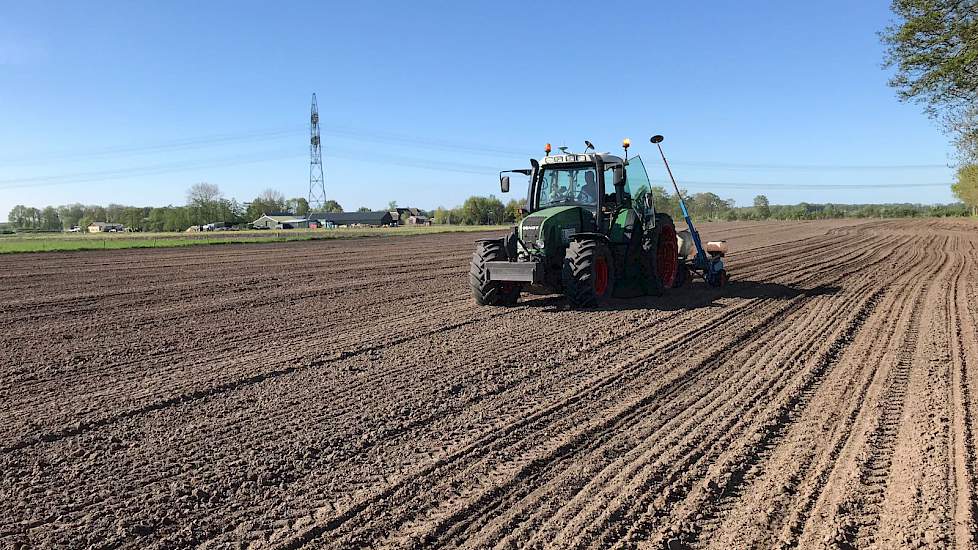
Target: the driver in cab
pixel 589 191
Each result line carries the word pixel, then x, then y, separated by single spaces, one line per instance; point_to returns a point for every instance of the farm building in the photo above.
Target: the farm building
pixel 105 227
pixel 409 216
pixel 379 218
pixel 280 221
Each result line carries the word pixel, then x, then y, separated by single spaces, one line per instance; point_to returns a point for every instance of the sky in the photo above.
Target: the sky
pixel 424 102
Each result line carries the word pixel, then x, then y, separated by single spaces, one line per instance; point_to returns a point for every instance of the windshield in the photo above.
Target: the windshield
pixel 569 185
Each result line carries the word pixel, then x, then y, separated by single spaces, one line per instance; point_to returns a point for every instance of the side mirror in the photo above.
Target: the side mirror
pixel 504 184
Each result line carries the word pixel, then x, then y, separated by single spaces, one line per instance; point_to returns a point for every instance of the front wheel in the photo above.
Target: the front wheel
pixel 486 292
pixel 589 273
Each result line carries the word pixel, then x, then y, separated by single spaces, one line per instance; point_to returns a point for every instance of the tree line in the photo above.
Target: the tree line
pixel 710 207
pixel 205 204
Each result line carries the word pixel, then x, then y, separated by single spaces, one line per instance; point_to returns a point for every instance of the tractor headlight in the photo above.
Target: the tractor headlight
pixel 539 243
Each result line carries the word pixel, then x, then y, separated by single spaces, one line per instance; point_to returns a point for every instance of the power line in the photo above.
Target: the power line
pixel 385 158
pixel 372 136
pixel 174 145
pixel 142 171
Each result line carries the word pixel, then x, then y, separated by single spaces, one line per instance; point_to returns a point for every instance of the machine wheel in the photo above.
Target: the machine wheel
pixel 666 251
pixel 682 276
pixel 486 292
pixel 589 273
pixel 720 280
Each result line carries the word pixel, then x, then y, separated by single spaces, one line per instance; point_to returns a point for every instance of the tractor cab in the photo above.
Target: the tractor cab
pixel 575 193
pixel 588 181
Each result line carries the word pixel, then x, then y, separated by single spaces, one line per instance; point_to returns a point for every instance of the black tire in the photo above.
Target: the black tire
pixel 665 226
pixel 720 280
pixel 650 251
pixel 588 273
pixel 486 292
pixel 650 243
pixel 682 276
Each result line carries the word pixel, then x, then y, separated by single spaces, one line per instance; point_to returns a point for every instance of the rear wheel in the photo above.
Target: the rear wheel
pixel 589 273
pixel 486 292
pixel 666 252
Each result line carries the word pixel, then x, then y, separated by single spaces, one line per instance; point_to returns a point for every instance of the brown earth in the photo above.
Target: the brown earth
pixel 351 393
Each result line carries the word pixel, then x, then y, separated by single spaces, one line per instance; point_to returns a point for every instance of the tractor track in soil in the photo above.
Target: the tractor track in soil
pixel 351 394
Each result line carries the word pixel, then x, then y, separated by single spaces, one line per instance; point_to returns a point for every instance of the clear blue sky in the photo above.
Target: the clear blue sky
pixel 132 102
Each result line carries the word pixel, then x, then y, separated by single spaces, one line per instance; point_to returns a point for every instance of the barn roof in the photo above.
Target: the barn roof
pixel 285 218
pixel 347 218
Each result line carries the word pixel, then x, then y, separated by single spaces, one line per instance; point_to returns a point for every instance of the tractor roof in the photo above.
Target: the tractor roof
pixel 568 158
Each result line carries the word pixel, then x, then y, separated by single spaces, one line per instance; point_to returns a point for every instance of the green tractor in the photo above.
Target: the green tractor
pixel 590 231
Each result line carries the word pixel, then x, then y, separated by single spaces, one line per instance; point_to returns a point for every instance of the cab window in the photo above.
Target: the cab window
pixel 568 185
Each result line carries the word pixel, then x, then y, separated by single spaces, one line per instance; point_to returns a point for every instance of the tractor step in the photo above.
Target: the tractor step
pixel 525 272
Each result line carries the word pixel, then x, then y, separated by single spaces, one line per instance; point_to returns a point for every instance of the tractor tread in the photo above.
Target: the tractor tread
pixel 578 272
pixel 486 292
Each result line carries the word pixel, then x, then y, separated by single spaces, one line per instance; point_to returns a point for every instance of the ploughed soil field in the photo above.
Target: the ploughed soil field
pixel 350 393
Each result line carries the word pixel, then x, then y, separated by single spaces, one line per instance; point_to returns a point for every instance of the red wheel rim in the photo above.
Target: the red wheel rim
pixel 667 256
pixel 600 276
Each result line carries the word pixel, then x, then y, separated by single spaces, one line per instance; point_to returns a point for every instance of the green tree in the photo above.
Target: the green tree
pixel 113 212
pixel 441 216
pixel 204 203
pixel 966 187
pixel 762 207
pixel 392 205
pixel 482 211
pixel 18 216
pixel 298 206
pixel 267 202
pixel 50 220
pixel 155 220
pixel 514 210
pixel 177 219
pixel 363 209
pixel 273 200
pixel 332 206
pixel 708 205
pixel 933 45
pixel 96 213
pixel 70 215
pixel 134 218
pixel 255 210
pixel 203 193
